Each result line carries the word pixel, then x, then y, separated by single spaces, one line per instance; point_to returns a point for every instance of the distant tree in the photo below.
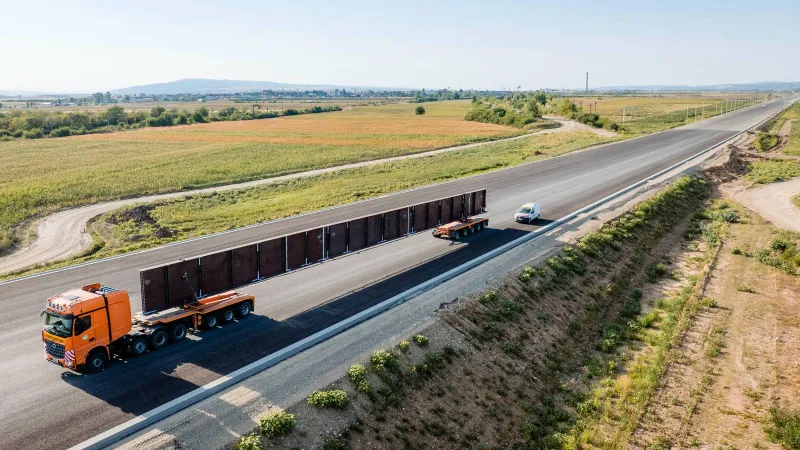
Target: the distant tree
pixel 540 97
pixel 181 119
pixel 157 111
pixel 115 115
pixel 126 98
pixel 98 98
pixel 107 97
pixel 200 115
pixel 420 110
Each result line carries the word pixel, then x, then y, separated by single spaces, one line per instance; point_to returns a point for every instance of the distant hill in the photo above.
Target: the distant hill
pixel 759 86
pixel 209 86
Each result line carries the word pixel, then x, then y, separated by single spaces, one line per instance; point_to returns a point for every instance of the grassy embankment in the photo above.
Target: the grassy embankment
pixel 43 176
pixel 533 353
pixel 778 169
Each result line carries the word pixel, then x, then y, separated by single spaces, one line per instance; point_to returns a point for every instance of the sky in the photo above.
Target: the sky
pixel 81 46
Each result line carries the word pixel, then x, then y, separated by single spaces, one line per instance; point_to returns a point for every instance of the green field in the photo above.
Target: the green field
pixel 42 176
pixel 139 227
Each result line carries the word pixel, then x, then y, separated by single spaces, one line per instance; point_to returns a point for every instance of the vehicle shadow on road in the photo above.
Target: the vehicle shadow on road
pixel 136 385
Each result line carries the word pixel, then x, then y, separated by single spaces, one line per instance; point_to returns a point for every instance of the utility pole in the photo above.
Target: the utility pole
pixel 587 82
pixel 632 113
pixel 623 113
pixel 687 114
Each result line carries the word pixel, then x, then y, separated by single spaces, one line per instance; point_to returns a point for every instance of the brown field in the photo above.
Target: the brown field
pixel 213 106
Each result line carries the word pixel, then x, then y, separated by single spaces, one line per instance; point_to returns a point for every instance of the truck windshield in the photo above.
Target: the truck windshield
pixel 524 210
pixel 58 325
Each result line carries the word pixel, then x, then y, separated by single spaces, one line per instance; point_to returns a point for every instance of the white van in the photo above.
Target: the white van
pixel 528 213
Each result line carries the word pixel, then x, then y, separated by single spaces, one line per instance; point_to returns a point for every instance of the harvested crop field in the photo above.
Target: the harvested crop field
pixel 46 175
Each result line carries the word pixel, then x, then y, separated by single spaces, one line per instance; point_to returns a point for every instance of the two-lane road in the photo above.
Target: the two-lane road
pixel 44 406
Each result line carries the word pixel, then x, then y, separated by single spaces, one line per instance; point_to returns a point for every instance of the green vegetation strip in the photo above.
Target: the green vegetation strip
pixel 773 170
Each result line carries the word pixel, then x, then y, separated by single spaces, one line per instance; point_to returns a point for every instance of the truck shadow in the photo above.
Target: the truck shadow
pixel 136 385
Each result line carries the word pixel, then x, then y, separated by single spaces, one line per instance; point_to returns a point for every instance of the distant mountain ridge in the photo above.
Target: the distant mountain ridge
pixel 210 86
pixel 759 86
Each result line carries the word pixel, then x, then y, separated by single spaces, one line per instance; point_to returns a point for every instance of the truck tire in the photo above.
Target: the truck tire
pixel 228 315
pixel 159 339
pixel 96 362
pixel 245 308
pixel 177 332
pixel 137 346
pixel 210 321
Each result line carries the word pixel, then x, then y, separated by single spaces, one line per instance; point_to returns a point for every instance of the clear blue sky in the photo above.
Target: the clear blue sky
pixel 81 46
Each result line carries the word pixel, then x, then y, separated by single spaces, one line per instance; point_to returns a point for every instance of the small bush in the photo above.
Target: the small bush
pixel 765 141
pixel 419 110
pixel 421 340
pixel 656 271
pixel 329 399
pixel 383 359
pixel 736 251
pixel 779 244
pixel 403 346
pixel 249 442
pixel 648 319
pixel 745 288
pixel 334 444
pixel 277 424
pixel 356 373
pixel 784 427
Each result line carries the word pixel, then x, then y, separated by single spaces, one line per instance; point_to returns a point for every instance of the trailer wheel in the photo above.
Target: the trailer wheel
pixel 177 332
pixel 227 315
pixel 159 338
pixel 245 309
pixel 137 346
pixel 210 321
pixel 96 362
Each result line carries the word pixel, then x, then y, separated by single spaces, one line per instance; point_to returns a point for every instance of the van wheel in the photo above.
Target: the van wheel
pixel 227 315
pixel 138 346
pixel 210 321
pixel 96 362
pixel 177 332
pixel 158 339
pixel 245 309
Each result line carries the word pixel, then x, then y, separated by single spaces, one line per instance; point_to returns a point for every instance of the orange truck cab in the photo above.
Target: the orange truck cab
pixel 84 328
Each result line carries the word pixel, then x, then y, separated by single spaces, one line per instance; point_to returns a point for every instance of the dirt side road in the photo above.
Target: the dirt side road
pixel 773 202
pixel 63 234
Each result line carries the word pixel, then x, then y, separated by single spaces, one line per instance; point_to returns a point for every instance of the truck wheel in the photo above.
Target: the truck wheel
pixel 96 362
pixel 210 321
pixel 227 315
pixel 177 332
pixel 138 346
pixel 159 338
pixel 245 309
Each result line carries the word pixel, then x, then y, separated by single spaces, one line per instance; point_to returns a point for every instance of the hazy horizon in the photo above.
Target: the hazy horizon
pixel 91 47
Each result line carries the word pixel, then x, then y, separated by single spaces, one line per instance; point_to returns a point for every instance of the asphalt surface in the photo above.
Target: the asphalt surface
pixel 44 406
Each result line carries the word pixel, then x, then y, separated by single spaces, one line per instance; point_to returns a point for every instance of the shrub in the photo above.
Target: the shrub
pixel 277 424
pixel 421 340
pixel 784 427
pixel 779 244
pixel 611 339
pixel 36 133
pixel 61 132
pixel 383 359
pixel 403 346
pixel 334 444
pixel 656 271
pixel 736 251
pixel 356 373
pixel 329 399
pixel 765 141
pixel 419 110
pixel 249 442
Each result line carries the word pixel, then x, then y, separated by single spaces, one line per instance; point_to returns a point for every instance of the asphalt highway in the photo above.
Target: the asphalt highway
pixel 44 406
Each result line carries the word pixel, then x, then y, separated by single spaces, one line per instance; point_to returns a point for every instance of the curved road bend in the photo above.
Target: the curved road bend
pixel 44 406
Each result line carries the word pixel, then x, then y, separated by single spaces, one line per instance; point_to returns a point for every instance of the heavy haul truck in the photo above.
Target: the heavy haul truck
pixel 461 228
pixel 84 328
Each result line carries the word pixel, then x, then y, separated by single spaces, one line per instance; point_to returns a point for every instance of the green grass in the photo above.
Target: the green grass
pixel 187 217
pixel 793 145
pixel 772 170
pixel 784 427
pixel 796 200
pixel 42 176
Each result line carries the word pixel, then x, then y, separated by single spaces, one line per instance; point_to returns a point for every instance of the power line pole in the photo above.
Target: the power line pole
pixel 587 82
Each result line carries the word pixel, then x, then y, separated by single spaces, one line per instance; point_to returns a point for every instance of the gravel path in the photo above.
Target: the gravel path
pixel 63 234
pixel 774 203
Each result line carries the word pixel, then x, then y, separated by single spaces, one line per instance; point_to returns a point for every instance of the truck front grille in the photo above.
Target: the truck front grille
pixel 53 349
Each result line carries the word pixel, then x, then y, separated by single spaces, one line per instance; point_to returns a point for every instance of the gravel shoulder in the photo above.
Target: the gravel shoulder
pixel 63 234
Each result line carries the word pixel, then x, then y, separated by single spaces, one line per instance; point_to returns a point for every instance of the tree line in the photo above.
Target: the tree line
pixel 40 124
